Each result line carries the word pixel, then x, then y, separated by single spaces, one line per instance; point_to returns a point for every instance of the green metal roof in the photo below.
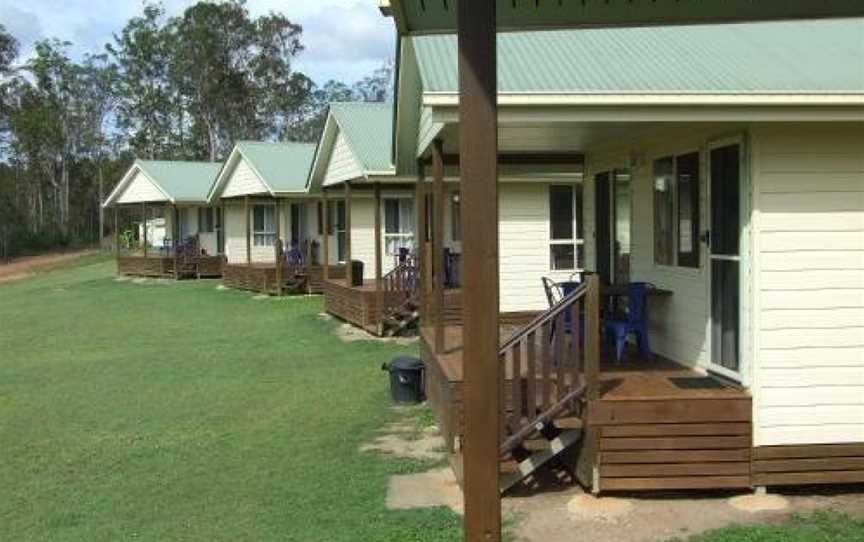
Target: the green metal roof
pixel 427 16
pixel 368 127
pixel 284 167
pixel 181 181
pixel 820 56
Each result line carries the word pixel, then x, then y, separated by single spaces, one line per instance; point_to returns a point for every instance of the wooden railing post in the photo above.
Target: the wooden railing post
pixel 592 337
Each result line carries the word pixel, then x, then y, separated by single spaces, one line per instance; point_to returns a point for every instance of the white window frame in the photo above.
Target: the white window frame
pixel 404 238
pixel 264 237
pixel 676 219
pixel 576 242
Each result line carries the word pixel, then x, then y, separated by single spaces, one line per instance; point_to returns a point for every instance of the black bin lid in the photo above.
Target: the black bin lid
pixel 405 363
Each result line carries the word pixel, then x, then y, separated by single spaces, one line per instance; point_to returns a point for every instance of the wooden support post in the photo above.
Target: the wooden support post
pixel 478 159
pixel 144 221
pixel 248 231
pixel 379 272
pixel 175 238
pixel 308 239
pixel 422 264
pixel 277 247
pixel 116 232
pixel 326 244
pixel 349 272
pixel 438 241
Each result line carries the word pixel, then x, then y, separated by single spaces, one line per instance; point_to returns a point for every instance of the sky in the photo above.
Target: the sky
pixel 344 39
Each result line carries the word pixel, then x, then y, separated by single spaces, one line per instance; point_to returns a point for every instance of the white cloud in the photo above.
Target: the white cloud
pixel 344 39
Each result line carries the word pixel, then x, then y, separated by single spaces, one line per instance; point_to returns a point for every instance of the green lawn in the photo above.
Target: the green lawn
pixel 177 411
pixel 823 526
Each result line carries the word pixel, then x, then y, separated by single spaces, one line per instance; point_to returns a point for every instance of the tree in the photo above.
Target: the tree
pixel 150 112
pixel 236 72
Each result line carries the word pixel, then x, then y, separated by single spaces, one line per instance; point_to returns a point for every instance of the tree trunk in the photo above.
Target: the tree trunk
pixel 99 204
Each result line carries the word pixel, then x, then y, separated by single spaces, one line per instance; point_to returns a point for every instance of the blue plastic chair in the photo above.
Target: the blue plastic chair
pixel 619 330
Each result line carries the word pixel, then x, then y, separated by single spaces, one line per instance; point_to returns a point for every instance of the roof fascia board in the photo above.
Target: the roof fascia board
pixel 219 186
pixel 451 99
pixel 323 152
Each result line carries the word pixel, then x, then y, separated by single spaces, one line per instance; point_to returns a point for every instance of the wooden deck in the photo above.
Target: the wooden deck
pixel 358 305
pixel 168 267
pixel 261 277
pixel 648 429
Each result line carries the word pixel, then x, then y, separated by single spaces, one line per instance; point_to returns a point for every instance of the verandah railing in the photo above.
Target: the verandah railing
pixel 550 365
pixel 402 278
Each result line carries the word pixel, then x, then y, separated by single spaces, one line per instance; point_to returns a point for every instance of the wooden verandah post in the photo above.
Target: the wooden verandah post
pixel 248 231
pixel 116 232
pixel 349 272
pixel 326 233
pixel 277 247
pixel 437 263
pixel 420 214
pixel 478 159
pixel 144 222
pixel 379 275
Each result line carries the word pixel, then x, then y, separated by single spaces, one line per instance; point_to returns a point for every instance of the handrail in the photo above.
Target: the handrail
pixel 549 365
pixel 403 276
pixel 545 316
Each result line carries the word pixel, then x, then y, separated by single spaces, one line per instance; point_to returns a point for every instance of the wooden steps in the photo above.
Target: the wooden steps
pixel 537 458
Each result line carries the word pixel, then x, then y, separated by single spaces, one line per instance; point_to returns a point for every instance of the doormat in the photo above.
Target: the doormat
pixel 697 383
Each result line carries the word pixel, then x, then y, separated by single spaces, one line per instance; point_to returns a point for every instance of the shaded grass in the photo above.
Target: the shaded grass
pixel 820 526
pixel 176 411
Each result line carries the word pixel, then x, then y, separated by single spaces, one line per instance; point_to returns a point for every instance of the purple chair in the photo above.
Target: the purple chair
pixel 635 323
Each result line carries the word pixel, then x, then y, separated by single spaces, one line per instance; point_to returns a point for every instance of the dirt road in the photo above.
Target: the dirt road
pixel 20 268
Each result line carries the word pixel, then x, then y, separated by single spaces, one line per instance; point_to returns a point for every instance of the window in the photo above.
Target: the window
pixel 398 225
pixel 264 225
pixel 206 220
pixel 337 228
pixel 455 217
pixel 676 210
pixel 566 243
pixel 298 222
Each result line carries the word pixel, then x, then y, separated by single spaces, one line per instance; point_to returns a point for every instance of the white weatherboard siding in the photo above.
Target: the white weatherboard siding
pixel 523 232
pixel 363 234
pixel 343 166
pixel 141 189
pixel 809 278
pixel 243 181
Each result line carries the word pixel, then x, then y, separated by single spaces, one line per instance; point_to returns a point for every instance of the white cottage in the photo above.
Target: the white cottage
pixel 273 227
pixel 723 166
pixel 163 222
pixel 371 216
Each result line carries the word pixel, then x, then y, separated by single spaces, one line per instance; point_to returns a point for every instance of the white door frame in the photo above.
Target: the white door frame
pixel 744 372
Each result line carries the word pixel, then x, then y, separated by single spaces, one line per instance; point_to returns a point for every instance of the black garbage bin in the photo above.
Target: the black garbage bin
pixel 406 379
pixel 356 273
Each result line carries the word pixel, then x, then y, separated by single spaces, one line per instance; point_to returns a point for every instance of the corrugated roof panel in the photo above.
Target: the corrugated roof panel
pixel 183 181
pixel 825 56
pixel 369 130
pixel 283 166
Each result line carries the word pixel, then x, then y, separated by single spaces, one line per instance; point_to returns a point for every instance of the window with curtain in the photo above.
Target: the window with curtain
pixel 566 249
pixel 676 210
pixel 263 225
pixel 398 225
